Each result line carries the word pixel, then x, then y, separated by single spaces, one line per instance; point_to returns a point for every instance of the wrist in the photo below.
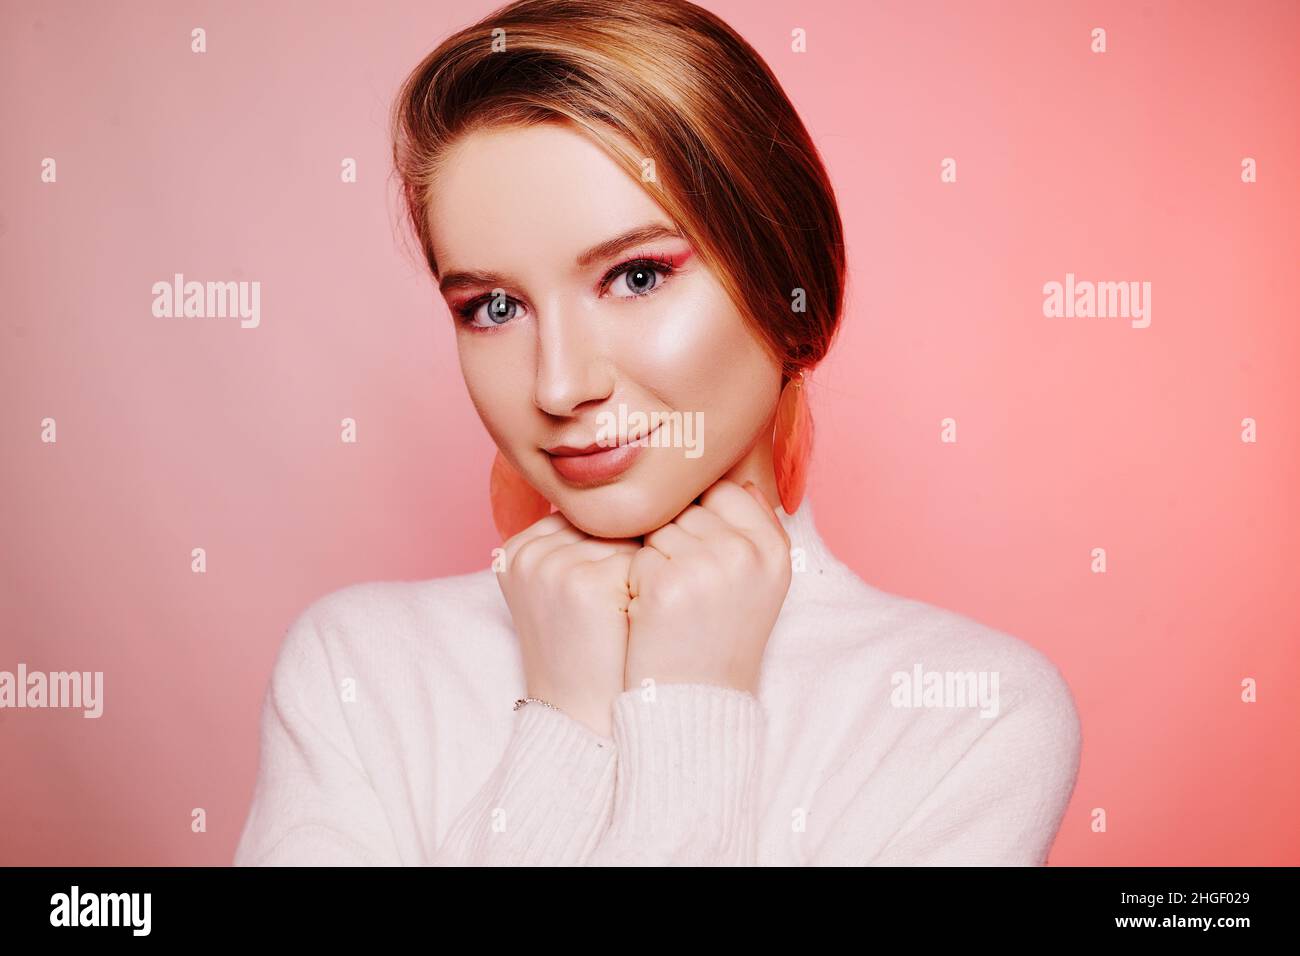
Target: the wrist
pixel 741 679
pixel 594 716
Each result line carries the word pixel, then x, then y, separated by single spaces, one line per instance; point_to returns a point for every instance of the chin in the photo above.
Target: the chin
pixel 621 510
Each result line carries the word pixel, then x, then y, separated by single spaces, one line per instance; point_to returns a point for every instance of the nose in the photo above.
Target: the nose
pixel 572 368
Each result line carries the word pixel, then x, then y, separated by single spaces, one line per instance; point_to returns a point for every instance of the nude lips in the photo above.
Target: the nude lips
pixel 598 465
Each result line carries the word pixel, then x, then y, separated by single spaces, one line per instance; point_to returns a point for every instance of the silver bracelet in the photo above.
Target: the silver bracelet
pixel 533 700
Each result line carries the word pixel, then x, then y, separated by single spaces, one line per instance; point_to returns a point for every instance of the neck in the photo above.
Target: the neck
pixel 757 466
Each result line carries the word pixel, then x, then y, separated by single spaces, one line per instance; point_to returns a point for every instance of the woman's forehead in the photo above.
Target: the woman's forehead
pixel 545 191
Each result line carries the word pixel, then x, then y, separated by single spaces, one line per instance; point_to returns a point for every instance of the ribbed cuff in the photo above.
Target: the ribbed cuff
pixel 688 768
pixel 547 801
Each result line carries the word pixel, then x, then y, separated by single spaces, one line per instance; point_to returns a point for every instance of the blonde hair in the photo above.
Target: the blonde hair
pixel 733 164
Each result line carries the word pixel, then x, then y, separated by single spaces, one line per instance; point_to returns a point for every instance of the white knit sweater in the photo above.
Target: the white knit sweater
pixel 388 737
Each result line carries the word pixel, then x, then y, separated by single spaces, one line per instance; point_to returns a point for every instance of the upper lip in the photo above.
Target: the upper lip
pixel 569 451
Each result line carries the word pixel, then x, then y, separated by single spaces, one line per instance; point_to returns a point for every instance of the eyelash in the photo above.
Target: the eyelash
pixel 661 264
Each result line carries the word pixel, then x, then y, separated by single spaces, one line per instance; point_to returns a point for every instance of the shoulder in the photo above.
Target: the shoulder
pixel 994 720
pixel 891 628
pixel 910 648
pixel 403 606
pixel 954 640
pixel 1032 708
pixel 378 626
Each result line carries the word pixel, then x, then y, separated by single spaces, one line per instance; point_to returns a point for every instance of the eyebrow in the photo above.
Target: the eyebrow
pixel 603 250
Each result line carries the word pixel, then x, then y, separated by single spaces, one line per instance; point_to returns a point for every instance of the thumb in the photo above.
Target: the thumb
pixel 768 509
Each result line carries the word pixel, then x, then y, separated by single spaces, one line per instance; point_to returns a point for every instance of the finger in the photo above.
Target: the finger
pixel 748 511
pixel 545 525
pixel 646 563
pixel 542 536
pixel 769 509
pixel 672 539
pixel 625 596
pixel 757 494
pixel 593 549
pixel 701 522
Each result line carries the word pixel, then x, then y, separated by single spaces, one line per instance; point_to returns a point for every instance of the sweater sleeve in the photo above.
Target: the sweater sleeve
pixel 546 802
pixel 688 764
pixel 314 803
pixel 1002 803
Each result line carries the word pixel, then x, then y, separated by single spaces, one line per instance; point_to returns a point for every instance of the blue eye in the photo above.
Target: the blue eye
pixel 495 310
pixel 637 277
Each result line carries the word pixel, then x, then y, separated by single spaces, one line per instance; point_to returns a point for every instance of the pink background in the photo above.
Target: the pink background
pixel 1073 433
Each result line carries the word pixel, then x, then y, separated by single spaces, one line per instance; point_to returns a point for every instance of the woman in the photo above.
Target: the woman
pixel 643 257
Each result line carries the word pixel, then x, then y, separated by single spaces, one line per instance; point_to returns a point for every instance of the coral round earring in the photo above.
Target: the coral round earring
pixel 792 443
pixel 515 503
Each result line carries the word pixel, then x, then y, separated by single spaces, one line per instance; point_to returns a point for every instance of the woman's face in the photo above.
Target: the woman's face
pixel 574 333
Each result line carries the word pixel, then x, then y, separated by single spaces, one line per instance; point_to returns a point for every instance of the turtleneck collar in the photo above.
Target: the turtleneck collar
pixel 814 565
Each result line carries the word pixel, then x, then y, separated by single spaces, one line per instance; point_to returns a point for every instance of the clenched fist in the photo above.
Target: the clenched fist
pixel 568 596
pixel 706 590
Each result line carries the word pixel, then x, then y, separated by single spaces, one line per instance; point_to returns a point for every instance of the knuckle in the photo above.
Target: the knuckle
pixel 572 586
pixel 738 552
pixel 525 555
pixel 673 591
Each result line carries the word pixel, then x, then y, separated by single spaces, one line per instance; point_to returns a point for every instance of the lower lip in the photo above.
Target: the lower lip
pixel 600 465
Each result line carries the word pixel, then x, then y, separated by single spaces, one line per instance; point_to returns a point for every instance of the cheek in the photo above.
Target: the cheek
pixel 686 352
pixel 497 382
